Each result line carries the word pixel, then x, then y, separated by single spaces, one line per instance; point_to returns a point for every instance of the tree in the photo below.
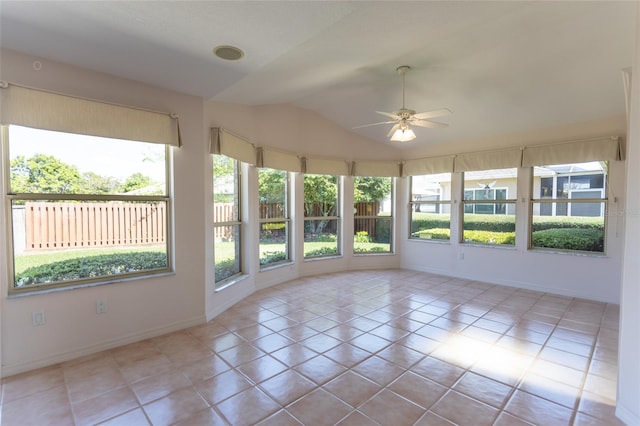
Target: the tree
pixel 92 183
pixel 43 174
pixel 224 179
pixel 136 181
pixel 370 189
pixel 320 199
pixel 271 185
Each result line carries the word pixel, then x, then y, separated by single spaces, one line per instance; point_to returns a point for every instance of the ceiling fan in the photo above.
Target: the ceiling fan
pixel 404 118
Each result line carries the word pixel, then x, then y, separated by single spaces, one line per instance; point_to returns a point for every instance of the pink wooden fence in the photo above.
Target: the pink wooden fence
pixel 83 225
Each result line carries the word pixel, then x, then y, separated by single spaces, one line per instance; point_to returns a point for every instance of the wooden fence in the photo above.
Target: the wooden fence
pixel 52 225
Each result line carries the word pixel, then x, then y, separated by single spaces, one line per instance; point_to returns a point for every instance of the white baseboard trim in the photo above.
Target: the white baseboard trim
pixel 211 314
pixel 11 369
pixel 626 416
pixel 507 283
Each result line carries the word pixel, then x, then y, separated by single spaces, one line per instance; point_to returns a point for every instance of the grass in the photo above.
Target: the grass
pixel 25 261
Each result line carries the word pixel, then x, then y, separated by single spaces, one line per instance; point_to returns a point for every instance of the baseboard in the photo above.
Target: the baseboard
pixel 11 369
pixel 229 303
pixel 507 283
pixel 626 416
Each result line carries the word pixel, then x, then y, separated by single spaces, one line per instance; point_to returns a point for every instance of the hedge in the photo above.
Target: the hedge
pixel 570 239
pixel 503 223
pixel 91 267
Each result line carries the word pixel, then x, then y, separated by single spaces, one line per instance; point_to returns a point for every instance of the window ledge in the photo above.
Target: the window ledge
pixel 232 281
pixel 592 255
pixel 317 258
pixel 429 240
pixel 52 289
pixel 374 254
pixel 276 266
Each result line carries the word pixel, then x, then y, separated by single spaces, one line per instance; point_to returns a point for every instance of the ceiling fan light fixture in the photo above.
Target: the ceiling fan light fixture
pixel 403 135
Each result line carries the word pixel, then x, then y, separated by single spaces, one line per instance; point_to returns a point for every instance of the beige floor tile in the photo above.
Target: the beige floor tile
pixel 222 386
pixel 439 371
pixel 131 418
pixel 262 368
pixel 175 407
pixel 352 388
pixel 280 418
pixel 483 389
pixel 248 407
pixel 105 406
pixel 49 406
pixel 25 384
pixel 287 387
pixel 319 408
pixel 347 355
pixel 388 408
pixel 378 370
pixel 160 385
pixel 537 410
pixel 417 389
pixel 320 369
pixel 460 409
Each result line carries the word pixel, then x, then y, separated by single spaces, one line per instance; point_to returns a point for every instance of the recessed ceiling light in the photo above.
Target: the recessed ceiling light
pixel 229 53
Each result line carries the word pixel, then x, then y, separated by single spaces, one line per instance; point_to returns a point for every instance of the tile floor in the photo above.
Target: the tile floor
pixel 357 348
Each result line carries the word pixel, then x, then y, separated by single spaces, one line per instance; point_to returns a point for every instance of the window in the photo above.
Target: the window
pixel 489 207
pixel 321 215
pixel 568 207
pixel 81 211
pixel 373 211
pixel 430 206
pixel 273 193
pixel 227 223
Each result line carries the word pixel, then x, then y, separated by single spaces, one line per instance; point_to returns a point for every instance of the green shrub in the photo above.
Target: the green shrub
pixel 489 222
pixel 225 269
pixel 273 226
pixel 362 237
pixel 488 237
pixel 373 249
pixel 269 257
pixel 541 223
pixel 383 231
pixel 91 267
pixel 433 234
pixel 427 221
pixel 322 251
pixel 570 239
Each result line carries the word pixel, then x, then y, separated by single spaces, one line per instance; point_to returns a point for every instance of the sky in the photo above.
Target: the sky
pixel 105 157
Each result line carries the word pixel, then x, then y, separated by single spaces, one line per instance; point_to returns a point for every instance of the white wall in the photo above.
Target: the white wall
pixel 628 403
pixel 592 277
pixel 138 308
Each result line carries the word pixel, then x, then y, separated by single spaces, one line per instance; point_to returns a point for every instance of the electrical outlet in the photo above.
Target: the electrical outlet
pixel 37 318
pixel 101 306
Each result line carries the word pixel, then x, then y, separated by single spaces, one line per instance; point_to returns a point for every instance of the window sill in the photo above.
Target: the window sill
pixel 315 259
pixel 226 284
pixel 429 240
pixel 592 255
pixel 53 289
pixel 278 265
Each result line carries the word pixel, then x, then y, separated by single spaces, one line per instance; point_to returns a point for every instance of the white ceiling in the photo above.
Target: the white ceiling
pixel 499 66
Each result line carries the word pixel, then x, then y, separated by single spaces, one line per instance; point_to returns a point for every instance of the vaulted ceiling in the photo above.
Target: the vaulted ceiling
pixel 499 66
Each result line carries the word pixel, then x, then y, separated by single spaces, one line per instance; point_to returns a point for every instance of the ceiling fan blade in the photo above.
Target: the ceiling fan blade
pixel 434 113
pixel 374 124
pixel 393 129
pixel 389 114
pixel 427 123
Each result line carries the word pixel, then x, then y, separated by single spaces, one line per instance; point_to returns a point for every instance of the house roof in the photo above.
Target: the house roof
pixel 501 67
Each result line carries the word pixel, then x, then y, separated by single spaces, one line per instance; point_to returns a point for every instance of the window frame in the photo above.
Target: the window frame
pixel 389 218
pixel 464 203
pixel 11 197
pixel 413 204
pixel 237 223
pixel 554 201
pixel 286 219
pixel 336 217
